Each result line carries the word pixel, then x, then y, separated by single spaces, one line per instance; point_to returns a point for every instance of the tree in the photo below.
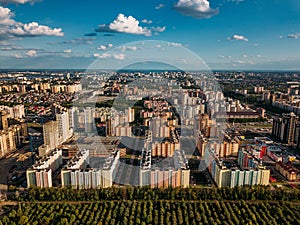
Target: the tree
pixel 23 220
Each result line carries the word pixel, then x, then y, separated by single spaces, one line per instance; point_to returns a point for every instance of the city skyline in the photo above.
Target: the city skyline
pixel 227 34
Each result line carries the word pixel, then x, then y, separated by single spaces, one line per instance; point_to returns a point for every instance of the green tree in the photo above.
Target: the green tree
pixel 23 220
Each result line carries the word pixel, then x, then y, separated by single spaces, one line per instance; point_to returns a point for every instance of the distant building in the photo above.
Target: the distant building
pixel 286 128
pixel 88 120
pixel 290 172
pixel 159 127
pixel 164 149
pixel 17 112
pixel 259 89
pixel 123 131
pixel 240 115
pixel 4 120
pixel 227 146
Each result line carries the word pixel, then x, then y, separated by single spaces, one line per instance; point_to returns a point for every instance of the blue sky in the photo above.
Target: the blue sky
pixel 226 34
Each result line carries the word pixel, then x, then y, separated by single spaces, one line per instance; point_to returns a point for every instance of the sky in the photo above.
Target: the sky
pixel 225 34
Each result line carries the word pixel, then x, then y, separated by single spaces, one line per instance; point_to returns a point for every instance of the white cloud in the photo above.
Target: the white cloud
pixel 238 38
pixel 174 44
pixel 31 53
pixel 239 62
pixel 9 28
pixel 102 56
pixel 221 56
pixel 68 51
pixel 119 56
pixel 146 21
pixel 6 17
pixel 160 6
pixel 290 36
pixel 17 1
pixel 159 29
pixel 102 48
pixel 123 24
pixel 128 48
pixel 293 36
pixel 242 62
pixel 245 56
pixel 105 47
pixel 17 56
pixel 198 9
pixel 34 29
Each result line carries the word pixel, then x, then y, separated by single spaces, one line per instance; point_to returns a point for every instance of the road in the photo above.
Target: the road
pixel 6 164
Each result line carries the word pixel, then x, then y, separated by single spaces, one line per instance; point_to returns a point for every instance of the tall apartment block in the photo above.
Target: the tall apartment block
pixel 51 138
pixel 88 120
pixel 56 132
pixel 78 176
pixel 228 146
pixel 11 136
pixel 177 175
pixel 286 128
pixel 253 174
pixel 63 123
pixel 40 175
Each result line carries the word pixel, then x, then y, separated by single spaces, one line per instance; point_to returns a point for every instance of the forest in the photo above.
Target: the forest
pixel 154 212
pixel 128 205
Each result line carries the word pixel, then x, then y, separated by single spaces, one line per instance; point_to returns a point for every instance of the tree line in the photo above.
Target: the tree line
pixel 147 193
